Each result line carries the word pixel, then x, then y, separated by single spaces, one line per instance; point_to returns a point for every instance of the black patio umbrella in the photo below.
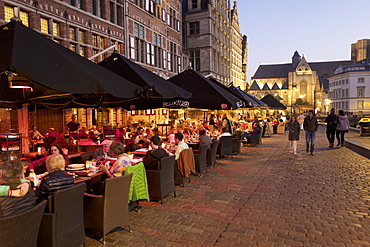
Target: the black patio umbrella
pixel 158 87
pixel 28 54
pixel 206 94
pixel 273 103
pixel 253 101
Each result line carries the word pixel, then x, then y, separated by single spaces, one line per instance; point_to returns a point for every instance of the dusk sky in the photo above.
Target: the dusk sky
pixel 322 30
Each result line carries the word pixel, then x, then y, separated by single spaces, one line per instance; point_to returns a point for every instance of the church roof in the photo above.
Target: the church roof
pixel 272 71
pixel 272 102
pixel 285 85
pixel 254 86
pixel 275 87
pixel 266 87
pixel 323 69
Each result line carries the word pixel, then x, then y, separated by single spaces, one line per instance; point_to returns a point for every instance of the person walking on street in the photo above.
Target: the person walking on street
pixel 342 127
pixel 310 125
pixel 294 128
pixel 331 125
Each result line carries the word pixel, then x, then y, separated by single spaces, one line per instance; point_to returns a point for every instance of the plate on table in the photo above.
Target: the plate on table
pixel 75 167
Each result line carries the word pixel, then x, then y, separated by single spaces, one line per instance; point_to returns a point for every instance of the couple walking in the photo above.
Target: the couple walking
pixel 336 125
pixel 310 125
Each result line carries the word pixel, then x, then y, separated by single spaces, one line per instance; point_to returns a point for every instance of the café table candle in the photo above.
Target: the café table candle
pixel 88 163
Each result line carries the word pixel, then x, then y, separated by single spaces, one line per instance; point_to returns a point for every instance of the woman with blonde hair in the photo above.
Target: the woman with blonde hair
pixel 294 130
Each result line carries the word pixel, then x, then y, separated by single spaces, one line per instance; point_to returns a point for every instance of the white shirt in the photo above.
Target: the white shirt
pixel 223 134
pixel 180 146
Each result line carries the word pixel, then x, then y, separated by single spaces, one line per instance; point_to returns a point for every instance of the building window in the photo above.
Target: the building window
pixel 23 15
pixel 360 104
pixel 194 58
pixel 97 7
pixel 44 23
pixel 137 46
pixel 194 27
pixel 360 92
pixel 81 36
pixel 116 12
pixel 139 3
pixel 82 50
pixel 172 21
pixel 361 80
pixel 194 4
pixel 139 31
pixel 72 33
pixel 8 13
pixel 157 39
pixel 95 40
pixel 56 29
pixel 73 47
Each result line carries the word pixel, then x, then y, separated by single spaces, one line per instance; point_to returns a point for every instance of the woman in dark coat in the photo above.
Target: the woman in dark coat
pixel 294 129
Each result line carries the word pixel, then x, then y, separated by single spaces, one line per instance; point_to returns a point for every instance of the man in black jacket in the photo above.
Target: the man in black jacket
pixel 154 156
pixel 331 125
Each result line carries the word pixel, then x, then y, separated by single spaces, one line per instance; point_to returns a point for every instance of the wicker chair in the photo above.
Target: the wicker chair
pixel 161 183
pixel 64 225
pixel 104 213
pixel 22 229
pixel 237 143
pixel 225 146
pixel 201 159
pixel 256 138
pixel 211 153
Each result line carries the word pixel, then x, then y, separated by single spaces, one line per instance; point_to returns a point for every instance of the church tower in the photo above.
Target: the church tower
pixel 296 59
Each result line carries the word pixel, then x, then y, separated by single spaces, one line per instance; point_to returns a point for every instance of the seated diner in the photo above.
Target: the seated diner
pixel 154 156
pixel 117 169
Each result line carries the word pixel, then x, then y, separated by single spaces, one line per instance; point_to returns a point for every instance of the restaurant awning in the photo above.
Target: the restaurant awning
pixel 53 68
pixel 273 103
pixel 206 94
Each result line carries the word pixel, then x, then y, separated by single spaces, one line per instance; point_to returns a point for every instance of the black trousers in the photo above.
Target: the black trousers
pixel 330 134
pixel 340 136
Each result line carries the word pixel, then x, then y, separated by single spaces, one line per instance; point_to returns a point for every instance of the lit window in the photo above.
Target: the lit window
pixel 56 29
pixel 8 13
pixel 361 80
pixel 72 33
pixel 82 51
pixel 23 15
pixel 82 36
pixel 73 47
pixel 360 104
pixel 44 25
pixel 95 40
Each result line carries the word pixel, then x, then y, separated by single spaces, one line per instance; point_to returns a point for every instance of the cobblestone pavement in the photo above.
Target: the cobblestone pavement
pixel 263 197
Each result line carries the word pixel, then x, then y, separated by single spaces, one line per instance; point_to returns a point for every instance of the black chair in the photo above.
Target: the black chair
pixel 225 146
pixel 211 153
pixel 201 159
pixel 161 183
pixel 64 225
pixel 22 229
pixel 106 212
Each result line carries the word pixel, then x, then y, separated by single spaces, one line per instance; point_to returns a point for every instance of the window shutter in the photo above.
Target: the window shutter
pixel 164 59
pixel 169 61
pixel 168 19
pixel 152 55
pixel 147 5
pixel 163 15
pixel 132 48
pixel 147 53
pixel 178 25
